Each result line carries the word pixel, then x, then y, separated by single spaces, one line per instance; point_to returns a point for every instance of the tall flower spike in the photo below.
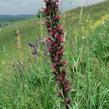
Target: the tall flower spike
pixel 56 48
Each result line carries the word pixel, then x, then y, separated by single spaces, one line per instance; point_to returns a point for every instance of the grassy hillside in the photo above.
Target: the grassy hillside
pixel 73 20
pixel 26 81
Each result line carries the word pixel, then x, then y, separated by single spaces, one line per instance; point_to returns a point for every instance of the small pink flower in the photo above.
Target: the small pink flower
pixel 58 27
pixel 57 17
pixel 53 32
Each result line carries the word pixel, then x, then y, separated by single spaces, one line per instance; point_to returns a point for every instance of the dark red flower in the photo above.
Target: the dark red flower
pixel 66 85
pixel 60 77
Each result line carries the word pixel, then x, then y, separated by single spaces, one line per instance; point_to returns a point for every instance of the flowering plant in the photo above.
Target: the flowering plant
pixel 55 42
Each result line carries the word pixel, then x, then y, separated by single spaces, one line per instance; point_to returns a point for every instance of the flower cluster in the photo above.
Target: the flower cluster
pixel 55 42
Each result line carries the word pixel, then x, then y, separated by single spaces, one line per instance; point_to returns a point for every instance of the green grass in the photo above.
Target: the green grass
pixel 32 86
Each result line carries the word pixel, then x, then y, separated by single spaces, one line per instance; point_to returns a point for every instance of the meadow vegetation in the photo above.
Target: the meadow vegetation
pixel 25 78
